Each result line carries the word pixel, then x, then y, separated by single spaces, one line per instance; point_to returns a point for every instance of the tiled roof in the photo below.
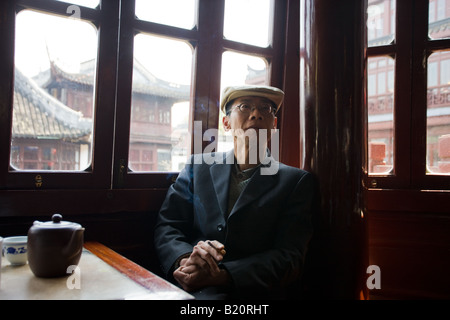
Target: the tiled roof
pixel 441 26
pixel 39 115
pixel 144 81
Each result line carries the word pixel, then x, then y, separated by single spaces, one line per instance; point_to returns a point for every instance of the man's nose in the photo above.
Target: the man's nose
pixel 255 114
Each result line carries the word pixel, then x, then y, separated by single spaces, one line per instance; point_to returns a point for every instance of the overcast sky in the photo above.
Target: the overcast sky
pixel 75 41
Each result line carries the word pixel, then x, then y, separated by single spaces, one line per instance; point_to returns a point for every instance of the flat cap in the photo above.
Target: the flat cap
pixel 230 93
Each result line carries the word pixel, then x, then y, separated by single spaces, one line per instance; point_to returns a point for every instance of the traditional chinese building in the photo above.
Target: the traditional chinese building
pixel 46 134
pixel 152 101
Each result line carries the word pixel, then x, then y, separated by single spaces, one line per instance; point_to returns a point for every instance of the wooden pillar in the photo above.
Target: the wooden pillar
pixel 333 116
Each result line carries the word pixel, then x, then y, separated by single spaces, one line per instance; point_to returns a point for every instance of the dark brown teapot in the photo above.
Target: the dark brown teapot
pixel 53 246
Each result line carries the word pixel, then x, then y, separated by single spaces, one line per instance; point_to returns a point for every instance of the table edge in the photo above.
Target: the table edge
pixel 135 272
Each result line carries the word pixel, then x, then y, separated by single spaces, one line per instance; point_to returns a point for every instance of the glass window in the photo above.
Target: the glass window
pixel 432 12
pixel 381 82
pixel 248 21
pixel 390 80
pixel 439 19
pixel 176 13
pixel 438 113
pixel 239 69
pixel 441 9
pixel 31 158
pixel 381 114
pixel 160 104
pixel 432 76
pixel 381 22
pixel 445 71
pixel 53 91
pixel 372 85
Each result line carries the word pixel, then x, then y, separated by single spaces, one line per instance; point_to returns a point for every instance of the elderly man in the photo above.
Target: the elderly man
pixel 226 229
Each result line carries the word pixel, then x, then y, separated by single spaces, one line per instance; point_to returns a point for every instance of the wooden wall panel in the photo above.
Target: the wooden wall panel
pixel 411 247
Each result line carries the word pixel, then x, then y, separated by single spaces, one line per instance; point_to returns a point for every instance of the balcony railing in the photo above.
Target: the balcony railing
pixel 438 96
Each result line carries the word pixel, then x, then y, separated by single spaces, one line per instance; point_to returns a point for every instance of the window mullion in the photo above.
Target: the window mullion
pixel 420 54
pixel 123 93
pixel 278 27
pixel 207 65
pixel 165 30
pixel 289 118
pixel 402 111
pixel 105 85
pixel 7 22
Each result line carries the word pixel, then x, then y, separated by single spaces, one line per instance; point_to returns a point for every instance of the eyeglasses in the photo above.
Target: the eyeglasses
pixel 264 109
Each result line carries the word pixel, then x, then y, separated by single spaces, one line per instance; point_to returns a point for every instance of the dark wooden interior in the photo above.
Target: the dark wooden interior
pixel 400 223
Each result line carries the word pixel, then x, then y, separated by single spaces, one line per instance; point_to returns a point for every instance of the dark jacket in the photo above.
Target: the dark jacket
pixel 266 234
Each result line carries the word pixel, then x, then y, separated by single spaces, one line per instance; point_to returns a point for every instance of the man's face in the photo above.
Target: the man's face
pixel 255 118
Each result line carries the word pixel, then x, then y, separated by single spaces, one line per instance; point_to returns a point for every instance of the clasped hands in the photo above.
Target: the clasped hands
pixel 201 268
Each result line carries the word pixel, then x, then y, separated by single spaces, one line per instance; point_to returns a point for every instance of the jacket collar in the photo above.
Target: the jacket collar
pixel 258 185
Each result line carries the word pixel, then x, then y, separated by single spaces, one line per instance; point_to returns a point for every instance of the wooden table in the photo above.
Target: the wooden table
pixel 102 275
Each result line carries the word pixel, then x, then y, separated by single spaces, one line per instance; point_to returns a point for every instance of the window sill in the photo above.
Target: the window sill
pixel 415 201
pixel 78 201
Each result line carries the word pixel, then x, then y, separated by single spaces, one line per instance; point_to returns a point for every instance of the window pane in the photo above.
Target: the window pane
pixel 439 19
pixel 176 13
pixel 248 21
pixel 159 135
pixel 53 92
pixel 381 22
pixel 239 69
pixel 84 3
pixel 438 113
pixel 381 114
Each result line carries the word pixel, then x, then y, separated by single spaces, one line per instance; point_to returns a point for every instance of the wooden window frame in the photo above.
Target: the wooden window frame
pixel 208 47
pixel 422 44
pixel 410 100
pixel 98 175
pixel 107 185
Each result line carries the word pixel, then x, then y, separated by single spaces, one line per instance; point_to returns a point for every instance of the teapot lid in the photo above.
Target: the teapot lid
pixel 57 223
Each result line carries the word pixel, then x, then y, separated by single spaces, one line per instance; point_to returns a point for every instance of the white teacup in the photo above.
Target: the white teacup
pixel 15 250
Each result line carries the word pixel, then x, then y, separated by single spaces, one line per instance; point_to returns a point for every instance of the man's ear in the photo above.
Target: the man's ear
pixel 226 123
pixel 275 119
